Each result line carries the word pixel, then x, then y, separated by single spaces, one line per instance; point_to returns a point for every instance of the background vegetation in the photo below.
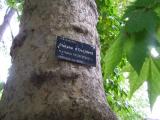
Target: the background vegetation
pixel 109 27
pixel 128 32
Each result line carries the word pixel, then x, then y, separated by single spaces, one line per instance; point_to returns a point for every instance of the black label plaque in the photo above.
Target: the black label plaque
pixel 75 51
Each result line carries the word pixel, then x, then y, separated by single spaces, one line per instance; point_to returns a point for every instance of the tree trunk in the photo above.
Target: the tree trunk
pixel 41 87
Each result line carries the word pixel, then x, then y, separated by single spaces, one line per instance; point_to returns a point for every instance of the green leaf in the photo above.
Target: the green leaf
pixel 151 73
pixel 136 49
pixel 113 57
pixel 136 80
pixel 133 82
pixel 11 3
pixel 140 20
pixel 154 81
pixel 140 32
pixel 144 73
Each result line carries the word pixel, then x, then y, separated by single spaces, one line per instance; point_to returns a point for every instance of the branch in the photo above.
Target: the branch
pixel 7 18
pixel 11 32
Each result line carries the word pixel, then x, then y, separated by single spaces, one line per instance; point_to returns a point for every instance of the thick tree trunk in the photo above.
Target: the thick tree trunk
pixel 41 87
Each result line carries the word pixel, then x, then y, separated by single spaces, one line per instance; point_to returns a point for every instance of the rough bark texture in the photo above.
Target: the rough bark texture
pixel 41 87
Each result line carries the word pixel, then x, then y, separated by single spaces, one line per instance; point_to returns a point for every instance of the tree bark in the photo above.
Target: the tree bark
pixel 41 87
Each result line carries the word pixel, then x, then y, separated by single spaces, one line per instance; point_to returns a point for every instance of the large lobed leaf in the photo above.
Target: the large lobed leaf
pixel 142 29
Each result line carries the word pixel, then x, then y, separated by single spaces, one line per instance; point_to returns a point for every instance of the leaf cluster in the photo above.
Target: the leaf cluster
pixel 138 37
pixel 16 4
pixel 109 26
